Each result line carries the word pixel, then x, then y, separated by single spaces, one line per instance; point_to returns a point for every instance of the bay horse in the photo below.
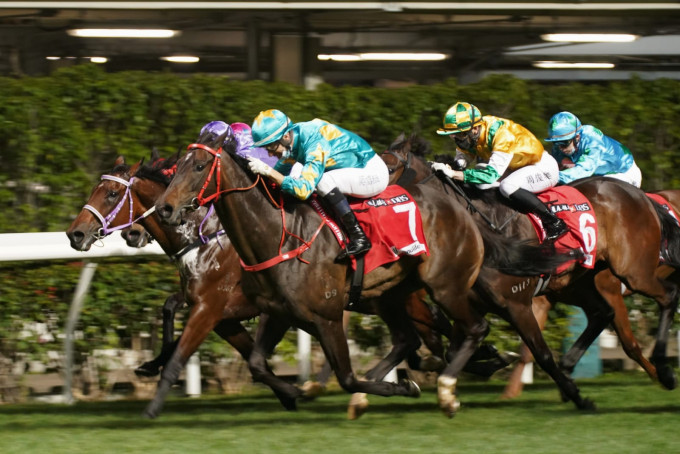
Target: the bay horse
pixel 599 294
pixel 310 292
pixel 609 287
pixel 209 269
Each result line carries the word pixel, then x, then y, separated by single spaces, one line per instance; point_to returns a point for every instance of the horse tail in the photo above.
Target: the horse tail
pixel 670 236
pixel 520 258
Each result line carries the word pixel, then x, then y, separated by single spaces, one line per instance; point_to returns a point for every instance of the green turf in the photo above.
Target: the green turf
pixel 634 416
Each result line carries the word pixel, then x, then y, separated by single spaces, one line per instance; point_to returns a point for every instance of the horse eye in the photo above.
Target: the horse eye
pixel 112 195
pixel 200 167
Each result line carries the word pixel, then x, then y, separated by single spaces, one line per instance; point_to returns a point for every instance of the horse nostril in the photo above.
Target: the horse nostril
pixel 165 211
pixel 76 236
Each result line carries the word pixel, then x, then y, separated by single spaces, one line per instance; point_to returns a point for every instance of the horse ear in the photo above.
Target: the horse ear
pixel 220 140
pixel 155 154
pixel 120 160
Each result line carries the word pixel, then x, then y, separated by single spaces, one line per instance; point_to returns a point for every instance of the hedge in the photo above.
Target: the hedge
pixel 59 133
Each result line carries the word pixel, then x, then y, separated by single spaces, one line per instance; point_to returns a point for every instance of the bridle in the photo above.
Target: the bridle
pixel 106 220
pixel 409 174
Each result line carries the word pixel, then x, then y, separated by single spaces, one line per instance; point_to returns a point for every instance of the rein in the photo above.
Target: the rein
pixel 282 256
pixel 106 221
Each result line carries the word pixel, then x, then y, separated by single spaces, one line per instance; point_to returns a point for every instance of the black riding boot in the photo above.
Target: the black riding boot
pixel 358 241
pixel 527 202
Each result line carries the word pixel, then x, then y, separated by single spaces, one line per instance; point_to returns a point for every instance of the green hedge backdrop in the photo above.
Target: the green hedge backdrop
pixel 58 134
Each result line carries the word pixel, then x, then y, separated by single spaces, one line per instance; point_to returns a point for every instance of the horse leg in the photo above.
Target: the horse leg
pixel 665 293
pixel 201 321
pixel 334 344
pixel 610 288
pixel 522 318
pixel 599 315
pixel 430 326
pixel 270 331
pixel 465 337
pixel 152 368
pixel 405 340
pixel 540 307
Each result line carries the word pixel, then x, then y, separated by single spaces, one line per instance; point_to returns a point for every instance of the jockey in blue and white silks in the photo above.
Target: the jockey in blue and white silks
pixel 583 151
pixel 335 162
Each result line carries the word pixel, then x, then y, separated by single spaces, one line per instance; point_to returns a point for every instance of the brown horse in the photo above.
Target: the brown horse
pixel 610 287
pixel 210 273
pixel 310 293
pixel 596 288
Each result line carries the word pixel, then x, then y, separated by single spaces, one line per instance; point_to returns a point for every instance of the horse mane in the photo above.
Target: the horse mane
pixel 160 170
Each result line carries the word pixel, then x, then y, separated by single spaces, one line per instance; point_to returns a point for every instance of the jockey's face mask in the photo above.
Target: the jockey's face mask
pixel 567 147
pixel 468 139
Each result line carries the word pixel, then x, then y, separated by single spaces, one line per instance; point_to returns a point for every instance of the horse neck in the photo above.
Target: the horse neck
pixel 251 221
pixel 171 239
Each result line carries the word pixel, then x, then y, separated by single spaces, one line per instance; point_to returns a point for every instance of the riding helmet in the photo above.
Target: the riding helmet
pixel 563 126
pixel 460 117
pixel 269 126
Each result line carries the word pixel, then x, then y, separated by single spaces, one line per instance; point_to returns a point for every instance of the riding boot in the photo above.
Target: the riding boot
pixel 358 241
pixel 527 202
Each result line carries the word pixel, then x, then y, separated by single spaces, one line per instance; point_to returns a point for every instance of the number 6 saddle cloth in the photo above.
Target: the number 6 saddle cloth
pixel 568 204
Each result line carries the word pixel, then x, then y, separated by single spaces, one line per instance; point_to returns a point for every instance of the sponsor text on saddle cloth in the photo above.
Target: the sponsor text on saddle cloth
pixel 576 211
pixel 666 206
pixel 391 221
pixel 664 203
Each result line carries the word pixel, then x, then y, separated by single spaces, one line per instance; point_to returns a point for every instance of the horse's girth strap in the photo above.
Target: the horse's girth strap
pixel 282 257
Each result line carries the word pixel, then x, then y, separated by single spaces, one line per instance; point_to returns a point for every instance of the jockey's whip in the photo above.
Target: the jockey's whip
pixel 474 209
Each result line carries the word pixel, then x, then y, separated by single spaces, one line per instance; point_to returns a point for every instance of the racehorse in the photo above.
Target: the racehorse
pixel 609 287
pixel 311 293
pixel 209 269
pixel 599 293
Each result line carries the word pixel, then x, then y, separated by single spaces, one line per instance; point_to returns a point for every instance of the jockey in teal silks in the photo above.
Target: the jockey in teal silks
pixel 583 151
pixel 335 162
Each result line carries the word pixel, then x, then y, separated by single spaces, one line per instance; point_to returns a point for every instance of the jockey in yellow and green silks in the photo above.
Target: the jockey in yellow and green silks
pixel 508 156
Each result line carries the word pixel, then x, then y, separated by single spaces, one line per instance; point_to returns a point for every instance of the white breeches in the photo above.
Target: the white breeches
pixel 361 183
pixel 632 176
pixel 534 178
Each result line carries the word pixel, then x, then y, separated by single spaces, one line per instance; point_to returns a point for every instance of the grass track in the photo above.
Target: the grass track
pixel 633 416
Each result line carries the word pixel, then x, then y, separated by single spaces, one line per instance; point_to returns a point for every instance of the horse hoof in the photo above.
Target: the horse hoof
pixel 431 363
pixel 413 389
pixel 312 389
pixel 451 409
pixel 667 377
pixel 358 405
pixel 150 413
pixel 587 405
pixel 147 370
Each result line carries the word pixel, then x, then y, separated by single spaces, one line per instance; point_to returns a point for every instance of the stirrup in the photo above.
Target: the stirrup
pixel 556 230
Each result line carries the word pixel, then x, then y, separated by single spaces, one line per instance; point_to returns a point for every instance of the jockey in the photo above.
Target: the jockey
pixel 336 162
pixel 241 132
pixel 583 151
pixel 510 158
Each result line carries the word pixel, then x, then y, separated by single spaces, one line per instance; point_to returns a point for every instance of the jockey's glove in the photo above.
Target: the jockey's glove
pixel 444 168
pixel 259 167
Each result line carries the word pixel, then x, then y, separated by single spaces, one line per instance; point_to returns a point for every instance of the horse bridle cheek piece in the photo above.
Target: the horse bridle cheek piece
pixel 199 200
pixel 106 220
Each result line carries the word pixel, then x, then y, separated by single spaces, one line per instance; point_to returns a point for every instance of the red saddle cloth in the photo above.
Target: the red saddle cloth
pixel 392 222
pixel 576 211
pixel 664 203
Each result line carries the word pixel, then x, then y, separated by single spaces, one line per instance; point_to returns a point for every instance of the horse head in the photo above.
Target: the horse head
pixel 108 204
pixel 136 236
pixel 405 159
pixel 197 177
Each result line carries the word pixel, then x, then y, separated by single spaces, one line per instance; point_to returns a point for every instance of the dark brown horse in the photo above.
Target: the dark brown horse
pixel 599 294
pixel 209 270
pixel 610 288
pixel 310 293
